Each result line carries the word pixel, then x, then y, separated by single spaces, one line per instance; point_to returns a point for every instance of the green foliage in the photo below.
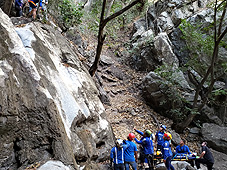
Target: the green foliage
pixel 219 92
pixel 199 44
pixel 181 113
pixel 172 89
pixel 70 12
pixel 121 22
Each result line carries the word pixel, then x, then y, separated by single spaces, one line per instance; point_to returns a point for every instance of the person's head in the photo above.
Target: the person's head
pixel 131 136
pixel 147 133
pixel 182 142
pixel 167 136
pixel 119 143
pixel 204 143
pixel 162 128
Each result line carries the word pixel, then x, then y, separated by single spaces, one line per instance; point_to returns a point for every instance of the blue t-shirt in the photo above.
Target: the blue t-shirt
pixel 183 149
pixel 129 152
pixel 18 2
pixel 166 150
pixel 118 154
pixel 159 136
pixel 147 144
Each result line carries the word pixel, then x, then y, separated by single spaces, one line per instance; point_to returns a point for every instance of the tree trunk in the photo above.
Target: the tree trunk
pixel 101 37
pixel 179 127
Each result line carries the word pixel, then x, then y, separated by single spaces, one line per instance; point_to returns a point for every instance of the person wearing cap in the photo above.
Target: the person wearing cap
pixel 166 151
pixel 206 157
pixel 159 137
pixel 147 145
pixel 117 154
pixel 131 153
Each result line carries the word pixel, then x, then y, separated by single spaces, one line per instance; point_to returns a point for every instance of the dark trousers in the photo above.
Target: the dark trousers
pixel 119 167
pixel 203 161
pixel 150 159
pixel 18 11
pixel 159 147
pixel 168 164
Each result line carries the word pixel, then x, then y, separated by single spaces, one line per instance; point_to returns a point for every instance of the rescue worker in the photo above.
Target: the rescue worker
pixel 159 137
pixel 32 4
pixel 131 153
pixel 117 155
pixel 18 7
pixel 182 148
pixel 206 157
pixel 147 145
pixel 166 151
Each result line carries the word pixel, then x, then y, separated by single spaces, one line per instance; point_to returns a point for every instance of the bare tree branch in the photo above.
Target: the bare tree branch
pixel 101 37
pixel 221 19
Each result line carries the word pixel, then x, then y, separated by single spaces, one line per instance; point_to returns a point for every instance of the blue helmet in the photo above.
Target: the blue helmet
pixel 163 126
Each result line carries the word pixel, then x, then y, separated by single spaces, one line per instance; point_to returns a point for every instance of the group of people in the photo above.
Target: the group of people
pixel 33 4
pixel 125 152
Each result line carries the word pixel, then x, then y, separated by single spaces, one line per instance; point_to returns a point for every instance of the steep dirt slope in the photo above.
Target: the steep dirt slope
pixel 127 109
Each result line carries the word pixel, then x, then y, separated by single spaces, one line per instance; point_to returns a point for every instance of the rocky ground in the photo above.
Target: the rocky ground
pixel 126 109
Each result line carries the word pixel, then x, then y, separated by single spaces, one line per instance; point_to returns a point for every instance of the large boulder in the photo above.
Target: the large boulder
pixel 215 136
pixel 49 104
pixel 178 165
pixel 151 91
pixel 160 93
pixel 220 160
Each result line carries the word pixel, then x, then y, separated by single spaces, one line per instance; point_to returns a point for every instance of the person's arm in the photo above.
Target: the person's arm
pixel 137 141
pixel 188 151
pixel 16 3
pixel 136 156
pixel 40 3
pixel 112 153
pixel 156 137
pixel 139 132
pixel 202 154
pixel 177 149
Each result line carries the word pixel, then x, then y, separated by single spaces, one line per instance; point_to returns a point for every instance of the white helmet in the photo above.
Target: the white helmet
pixel 119 143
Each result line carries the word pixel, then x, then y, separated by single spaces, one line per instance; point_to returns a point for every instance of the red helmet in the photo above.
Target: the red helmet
pixel 168 136
pixel 131 136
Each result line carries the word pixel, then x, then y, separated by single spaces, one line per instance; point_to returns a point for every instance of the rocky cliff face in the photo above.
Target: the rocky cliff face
pixel 157 40
pixel 49 105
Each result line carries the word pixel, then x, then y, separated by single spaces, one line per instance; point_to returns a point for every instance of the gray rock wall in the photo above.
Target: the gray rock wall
pixel 49 105
pixel 157 41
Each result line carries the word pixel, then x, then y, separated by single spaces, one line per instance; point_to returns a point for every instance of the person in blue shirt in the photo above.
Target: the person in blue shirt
pixel 32 4
pixel 182 148
pixel 117 155
pixel 18 7
pixel 166 151
pixel 147 145
pixel 131 153
pixel 159 137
